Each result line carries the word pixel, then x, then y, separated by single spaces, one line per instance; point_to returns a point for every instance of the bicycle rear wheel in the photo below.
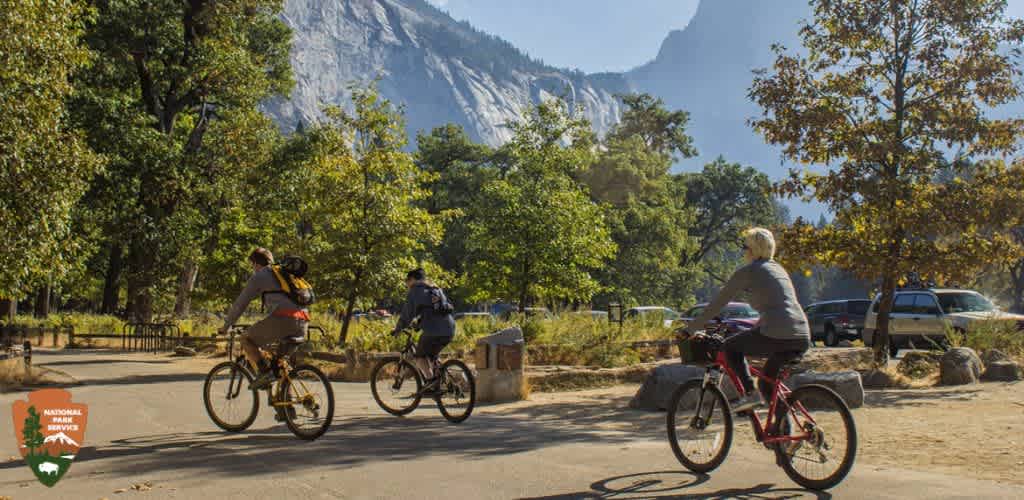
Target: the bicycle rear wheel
pixel 228 399
pixel 396 386
pixel 699 425
pixel 310 402
pixel 825 457
pixel 457 392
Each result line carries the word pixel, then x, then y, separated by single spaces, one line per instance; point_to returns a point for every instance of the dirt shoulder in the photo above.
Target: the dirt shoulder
pixel 967 431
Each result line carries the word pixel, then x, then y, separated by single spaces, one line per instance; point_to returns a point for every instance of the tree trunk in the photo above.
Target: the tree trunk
pixel 112 281
pixel 881 336
pixel 42 305
pixel 8 309
pixel 143 310
pixel 348 318
pixel 186 283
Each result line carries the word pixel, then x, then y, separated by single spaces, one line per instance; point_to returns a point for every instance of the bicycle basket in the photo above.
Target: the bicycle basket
pixel 698 351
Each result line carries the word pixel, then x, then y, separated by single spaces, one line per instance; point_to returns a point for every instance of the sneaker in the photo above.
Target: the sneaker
pixel 748 402
pixel 263 381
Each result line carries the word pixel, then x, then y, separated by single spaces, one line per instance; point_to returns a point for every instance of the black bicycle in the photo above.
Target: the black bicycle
pixel 302 396
pixel 398 386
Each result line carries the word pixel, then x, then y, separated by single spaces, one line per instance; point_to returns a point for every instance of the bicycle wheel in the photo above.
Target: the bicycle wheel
pixel 310 399
pixel 699 426
pixel 826 456
pixel 457 392
pixel 228 400
pixel 396 386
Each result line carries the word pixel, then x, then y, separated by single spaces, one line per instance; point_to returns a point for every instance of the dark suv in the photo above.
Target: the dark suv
pixel 835 320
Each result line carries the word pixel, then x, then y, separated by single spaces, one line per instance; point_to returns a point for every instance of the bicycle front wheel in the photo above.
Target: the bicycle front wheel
pixel 457 392
pixel 699 425
pixel 228 399
pixel 307 399
pixel 825 455
pixel 396 386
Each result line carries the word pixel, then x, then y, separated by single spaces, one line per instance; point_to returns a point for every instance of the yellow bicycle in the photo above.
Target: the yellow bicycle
pixel 302 396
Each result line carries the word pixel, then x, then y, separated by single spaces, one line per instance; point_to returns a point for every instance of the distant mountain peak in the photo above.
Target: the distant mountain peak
pixel 60 438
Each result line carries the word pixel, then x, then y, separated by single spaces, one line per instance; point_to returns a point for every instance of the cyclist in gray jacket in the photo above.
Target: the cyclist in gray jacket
pixel 782 331
pixel 427 302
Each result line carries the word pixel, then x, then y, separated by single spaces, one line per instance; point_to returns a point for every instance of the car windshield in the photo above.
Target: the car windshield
pixel 964 302
pixel 740 311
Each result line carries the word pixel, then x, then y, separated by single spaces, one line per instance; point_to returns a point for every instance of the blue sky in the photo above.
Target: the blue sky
pixel 590 35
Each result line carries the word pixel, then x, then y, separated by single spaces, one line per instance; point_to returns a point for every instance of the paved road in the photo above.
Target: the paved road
pixel 147 424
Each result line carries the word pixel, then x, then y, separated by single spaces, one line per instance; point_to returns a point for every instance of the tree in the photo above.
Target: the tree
pixel 33 438
pixel 166 70
pixel 728 198
pixel 886 91
pixel 1016 269
pixel 662 131
pixel 44 163
pixel 535 234
pixel 362 202
pixel 459 168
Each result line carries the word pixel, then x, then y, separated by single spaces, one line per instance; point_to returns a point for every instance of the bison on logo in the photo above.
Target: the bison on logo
pixel 49 429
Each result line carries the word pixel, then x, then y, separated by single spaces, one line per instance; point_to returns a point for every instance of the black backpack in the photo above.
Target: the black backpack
pixel 441 305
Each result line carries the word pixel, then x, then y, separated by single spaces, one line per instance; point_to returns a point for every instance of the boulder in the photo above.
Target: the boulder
pixel 184 351
pixel 656 391
pixel 847 384
pixel 1002 371
pixel 992 355
pixel 918 364
pixel 959 366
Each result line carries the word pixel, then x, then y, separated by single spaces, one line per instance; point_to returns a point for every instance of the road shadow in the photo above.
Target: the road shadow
pixel 891 398
pixel 352 441
pixel 675 485
pixel 104 361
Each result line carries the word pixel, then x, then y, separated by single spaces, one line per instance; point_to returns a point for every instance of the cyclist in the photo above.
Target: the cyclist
pixel 427 302
pixel 286 319
pixel 782 332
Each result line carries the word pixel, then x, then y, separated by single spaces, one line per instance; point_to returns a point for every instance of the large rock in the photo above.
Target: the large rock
pixel 182 350
pixel 656 391
pixel 959 366
pixel 1002 371
pixel 847 384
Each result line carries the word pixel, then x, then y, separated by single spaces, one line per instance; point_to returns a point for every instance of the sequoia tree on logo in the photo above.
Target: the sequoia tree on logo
pixel 50 430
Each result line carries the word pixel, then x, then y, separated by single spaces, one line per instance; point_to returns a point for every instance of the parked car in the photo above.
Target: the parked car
pixel 919 318
pixel 473 315
pixel 736 316
pixel 595 315
pixel 650 313
pixel 530 312
pixel 835 320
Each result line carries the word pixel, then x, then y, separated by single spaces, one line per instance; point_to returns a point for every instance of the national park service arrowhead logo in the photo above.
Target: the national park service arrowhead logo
pixel 49 429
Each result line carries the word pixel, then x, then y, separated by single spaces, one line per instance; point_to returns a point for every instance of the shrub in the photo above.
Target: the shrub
pixel 984 335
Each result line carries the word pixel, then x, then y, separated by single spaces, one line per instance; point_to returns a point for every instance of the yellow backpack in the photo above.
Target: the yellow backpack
pixel 289 274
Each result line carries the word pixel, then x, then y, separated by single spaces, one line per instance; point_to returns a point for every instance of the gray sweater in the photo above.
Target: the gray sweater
pixel 771 293
pixel 260 281
pixel 419 303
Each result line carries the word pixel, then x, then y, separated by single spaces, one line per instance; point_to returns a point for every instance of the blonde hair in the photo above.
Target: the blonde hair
pixel 761 242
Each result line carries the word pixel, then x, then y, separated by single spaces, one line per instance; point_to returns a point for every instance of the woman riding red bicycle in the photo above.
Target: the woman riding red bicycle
pixel 782 332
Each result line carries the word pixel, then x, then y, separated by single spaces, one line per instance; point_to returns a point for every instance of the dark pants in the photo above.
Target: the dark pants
pixel 430 346
pixel 752 342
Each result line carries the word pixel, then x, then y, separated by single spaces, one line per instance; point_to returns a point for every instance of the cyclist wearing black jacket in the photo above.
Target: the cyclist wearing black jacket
pixel 427 302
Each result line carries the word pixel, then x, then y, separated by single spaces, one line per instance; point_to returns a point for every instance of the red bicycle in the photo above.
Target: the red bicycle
pixel 816 450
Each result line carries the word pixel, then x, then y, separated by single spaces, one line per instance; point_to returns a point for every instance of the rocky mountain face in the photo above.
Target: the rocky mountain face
pixel 707 67
pixel 439 69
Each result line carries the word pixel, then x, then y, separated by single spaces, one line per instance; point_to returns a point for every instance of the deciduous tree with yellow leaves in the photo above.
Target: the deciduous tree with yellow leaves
pixel 889 94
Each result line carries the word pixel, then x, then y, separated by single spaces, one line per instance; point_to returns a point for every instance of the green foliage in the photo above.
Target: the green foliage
pixel 31 432
pixel 535 234
pixel 885 91
pixel 662 131
pixel 984 335
pixel 44 164
pixel 362 201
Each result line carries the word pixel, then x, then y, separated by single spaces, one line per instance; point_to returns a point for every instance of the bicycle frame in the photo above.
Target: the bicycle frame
pixel 242 363
pixel 780 391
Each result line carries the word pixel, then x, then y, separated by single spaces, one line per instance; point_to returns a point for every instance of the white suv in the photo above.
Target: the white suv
pixel 920 317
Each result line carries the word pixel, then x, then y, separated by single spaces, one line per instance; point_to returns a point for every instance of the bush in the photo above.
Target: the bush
pixel 984 335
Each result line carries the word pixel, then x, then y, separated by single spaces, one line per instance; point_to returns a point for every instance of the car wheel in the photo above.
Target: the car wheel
pixel 831 339
pixel 894 348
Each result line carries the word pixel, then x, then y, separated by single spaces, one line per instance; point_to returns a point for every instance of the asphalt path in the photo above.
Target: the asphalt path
pixel 149 436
